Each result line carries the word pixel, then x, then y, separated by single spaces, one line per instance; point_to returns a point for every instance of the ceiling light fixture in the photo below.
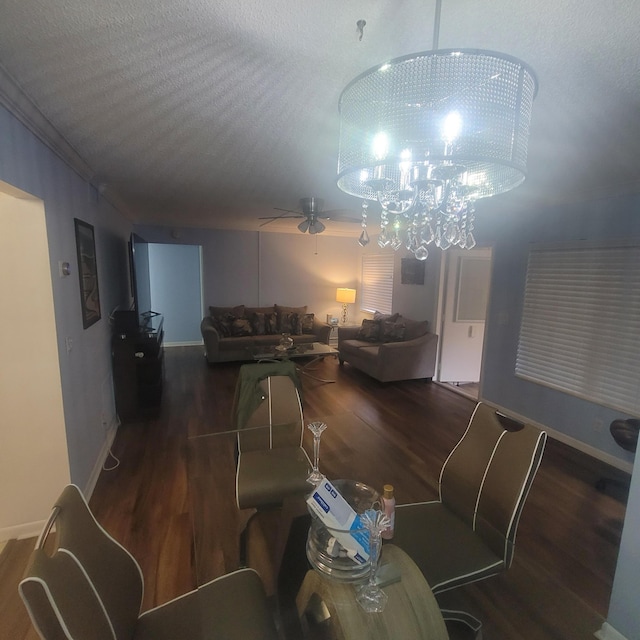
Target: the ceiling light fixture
pixel 427 134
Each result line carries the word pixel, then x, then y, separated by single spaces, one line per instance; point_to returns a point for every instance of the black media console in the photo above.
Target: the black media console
pixel 138 367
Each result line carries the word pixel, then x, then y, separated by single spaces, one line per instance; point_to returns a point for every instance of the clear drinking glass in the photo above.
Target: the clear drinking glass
pixel 370 596
pixel 316 428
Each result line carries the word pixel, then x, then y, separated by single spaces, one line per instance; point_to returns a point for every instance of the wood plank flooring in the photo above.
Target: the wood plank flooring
pixel 558 587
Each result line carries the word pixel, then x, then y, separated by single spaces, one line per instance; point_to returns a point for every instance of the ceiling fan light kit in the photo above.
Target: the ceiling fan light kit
pixel 427 134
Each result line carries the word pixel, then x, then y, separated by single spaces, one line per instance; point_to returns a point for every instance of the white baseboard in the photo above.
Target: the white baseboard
pixel 623 465
pixel 607 632
pixel 97 469
pixel 21 531
pixel 197 343
pixel 33 529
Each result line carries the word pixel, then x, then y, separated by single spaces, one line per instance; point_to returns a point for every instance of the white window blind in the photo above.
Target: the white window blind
pixel 580 329
pixel 377 283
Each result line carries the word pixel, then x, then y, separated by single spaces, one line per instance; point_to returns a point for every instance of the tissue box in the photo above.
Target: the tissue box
pixel 339 517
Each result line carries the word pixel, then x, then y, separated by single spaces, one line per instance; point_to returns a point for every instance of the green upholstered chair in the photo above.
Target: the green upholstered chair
pixel 272 464
pixel 469 533
pixel 81 583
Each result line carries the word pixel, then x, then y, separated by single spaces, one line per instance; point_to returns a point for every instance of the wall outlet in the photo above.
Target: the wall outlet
pixel 598 425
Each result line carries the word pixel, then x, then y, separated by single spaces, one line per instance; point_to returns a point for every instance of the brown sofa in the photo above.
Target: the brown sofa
pixel 233 333
pixel 390 348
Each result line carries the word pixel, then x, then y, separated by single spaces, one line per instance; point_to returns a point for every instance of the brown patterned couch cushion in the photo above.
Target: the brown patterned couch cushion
pixel 370 331
pixel 270 324
pixel 258 324
pixel 241 327
pixel 306 322
pixel 288 323
pixel 222 324
pixel 393 331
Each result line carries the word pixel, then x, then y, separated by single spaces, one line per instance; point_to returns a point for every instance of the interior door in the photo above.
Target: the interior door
pixel 464 307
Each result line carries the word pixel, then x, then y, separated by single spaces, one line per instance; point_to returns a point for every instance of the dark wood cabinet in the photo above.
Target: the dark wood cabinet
pixel 138 369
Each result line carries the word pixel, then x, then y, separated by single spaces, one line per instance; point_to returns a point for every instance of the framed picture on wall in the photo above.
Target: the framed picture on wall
pixel 87 273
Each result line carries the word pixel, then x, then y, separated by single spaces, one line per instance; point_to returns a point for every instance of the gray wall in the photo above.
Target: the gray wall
pixel 599 220
pixel 28 164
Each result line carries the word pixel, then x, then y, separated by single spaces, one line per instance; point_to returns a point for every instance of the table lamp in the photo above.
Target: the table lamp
pixel 346 296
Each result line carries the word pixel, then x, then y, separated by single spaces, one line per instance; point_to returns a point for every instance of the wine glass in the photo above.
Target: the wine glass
pixel 370 596
pixel 316 428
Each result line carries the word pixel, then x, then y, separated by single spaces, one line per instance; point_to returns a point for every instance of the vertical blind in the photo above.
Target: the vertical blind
pixel 377 283
pixel 580 330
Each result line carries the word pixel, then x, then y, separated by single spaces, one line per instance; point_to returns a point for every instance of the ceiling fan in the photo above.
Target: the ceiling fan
pixel 312 214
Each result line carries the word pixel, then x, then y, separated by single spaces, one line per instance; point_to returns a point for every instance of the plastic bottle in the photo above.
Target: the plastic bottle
pixel 389 507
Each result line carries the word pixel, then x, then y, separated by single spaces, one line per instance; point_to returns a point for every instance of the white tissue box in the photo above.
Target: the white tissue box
pixel 341 520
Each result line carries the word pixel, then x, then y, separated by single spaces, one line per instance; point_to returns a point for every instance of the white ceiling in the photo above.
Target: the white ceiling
pixel 209 113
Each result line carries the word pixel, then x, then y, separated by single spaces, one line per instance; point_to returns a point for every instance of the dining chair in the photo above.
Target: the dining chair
pixel 81 583
pixel 469 534
pixel 272 464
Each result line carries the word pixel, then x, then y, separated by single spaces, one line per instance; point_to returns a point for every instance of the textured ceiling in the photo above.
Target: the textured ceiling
pixel 210 113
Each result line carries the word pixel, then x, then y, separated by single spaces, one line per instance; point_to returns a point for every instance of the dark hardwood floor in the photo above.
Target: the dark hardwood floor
pixel 558 587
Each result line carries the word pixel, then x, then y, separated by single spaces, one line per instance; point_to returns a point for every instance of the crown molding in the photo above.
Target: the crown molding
pixel 20 104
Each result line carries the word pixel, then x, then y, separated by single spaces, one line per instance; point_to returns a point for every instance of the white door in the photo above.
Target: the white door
pixel 463 307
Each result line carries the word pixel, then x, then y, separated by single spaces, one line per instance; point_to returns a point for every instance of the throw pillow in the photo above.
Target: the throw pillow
pixel 218 326
pixel 286 322
pixel 296 324
pixel 237 311
pixel 241 327
pixel 270 324
pixel 307 323
pixel 393 331
pixel 386 316
pixel 369 331
pixel 258 324
pixel 222 324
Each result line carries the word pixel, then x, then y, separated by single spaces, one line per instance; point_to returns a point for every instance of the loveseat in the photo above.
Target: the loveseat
pixel 233 333
pixel 390 348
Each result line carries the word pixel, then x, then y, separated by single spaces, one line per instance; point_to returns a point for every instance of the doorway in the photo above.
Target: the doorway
pixel 464 294
pixel 175 290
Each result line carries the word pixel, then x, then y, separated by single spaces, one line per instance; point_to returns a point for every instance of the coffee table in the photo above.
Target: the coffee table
pixel 315 350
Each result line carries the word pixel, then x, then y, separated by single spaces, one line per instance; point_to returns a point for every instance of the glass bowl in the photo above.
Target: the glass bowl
pixel 325 556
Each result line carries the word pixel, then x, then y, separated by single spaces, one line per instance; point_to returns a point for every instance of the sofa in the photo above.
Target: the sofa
pixel 233 333
pixel 390 348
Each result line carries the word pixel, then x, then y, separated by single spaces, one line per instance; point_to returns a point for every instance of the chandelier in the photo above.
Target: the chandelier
pixel 427 134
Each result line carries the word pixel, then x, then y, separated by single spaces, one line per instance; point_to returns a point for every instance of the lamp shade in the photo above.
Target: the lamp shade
pixel 409 104
pixel 346 296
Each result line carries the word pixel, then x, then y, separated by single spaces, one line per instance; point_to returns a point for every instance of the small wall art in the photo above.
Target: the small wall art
pixel 88 273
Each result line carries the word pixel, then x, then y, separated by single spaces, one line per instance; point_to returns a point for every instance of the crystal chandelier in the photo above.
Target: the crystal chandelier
pixel 427 134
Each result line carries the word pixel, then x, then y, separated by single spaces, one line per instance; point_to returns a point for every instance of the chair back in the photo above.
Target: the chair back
pixel 80 582
pixel 486 478
pixel 281 412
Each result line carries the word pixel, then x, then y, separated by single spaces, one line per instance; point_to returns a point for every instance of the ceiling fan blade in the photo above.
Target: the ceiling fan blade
pixel 279 217
pixel 287 210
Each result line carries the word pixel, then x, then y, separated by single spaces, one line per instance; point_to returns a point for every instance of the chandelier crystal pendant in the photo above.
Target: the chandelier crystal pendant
pixel 427 134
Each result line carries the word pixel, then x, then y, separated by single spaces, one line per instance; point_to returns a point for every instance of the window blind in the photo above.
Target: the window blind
pixel 377 283
pixel 580 330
